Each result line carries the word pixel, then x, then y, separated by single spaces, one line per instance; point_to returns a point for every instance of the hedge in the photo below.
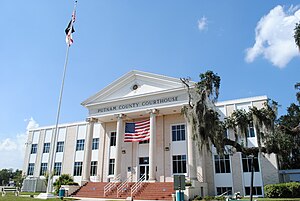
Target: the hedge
pixel 283 190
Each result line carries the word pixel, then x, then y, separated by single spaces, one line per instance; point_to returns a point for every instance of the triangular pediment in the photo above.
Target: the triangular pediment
pixel 133 84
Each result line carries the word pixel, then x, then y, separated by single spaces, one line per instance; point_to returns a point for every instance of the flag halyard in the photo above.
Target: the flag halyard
pixel 137 131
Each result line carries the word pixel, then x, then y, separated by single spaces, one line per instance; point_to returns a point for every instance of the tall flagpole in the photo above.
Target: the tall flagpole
pixel 55 136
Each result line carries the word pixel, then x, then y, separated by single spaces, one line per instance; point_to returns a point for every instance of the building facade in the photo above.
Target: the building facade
pixel 94 150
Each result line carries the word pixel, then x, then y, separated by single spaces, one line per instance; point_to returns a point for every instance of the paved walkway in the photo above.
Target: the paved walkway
pixel 103 199
pixel 97 199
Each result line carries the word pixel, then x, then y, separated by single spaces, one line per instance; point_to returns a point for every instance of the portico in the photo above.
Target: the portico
pixel 139 95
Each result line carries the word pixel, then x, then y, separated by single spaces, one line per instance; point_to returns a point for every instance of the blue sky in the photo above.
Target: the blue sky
pixel 248 43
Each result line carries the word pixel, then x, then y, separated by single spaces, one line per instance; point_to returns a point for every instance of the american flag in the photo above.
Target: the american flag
pixel 137 131
pixel 70 29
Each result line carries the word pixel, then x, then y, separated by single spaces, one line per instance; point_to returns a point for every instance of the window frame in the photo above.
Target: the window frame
pixel 113 139
pixel 33 149
pixel 80 145
pixel 94 166
pixel 255 190
pixel 57 165
pixel 246 163
pixel 222 164
pixel 179 165
pixel 43 169
pixel 95 144
pixel 223 189
pixel 30 169
pixel 251 131
pixel 176 132
pixel 77 168
pixel 60 146
pixel 46 147
pixel 111 166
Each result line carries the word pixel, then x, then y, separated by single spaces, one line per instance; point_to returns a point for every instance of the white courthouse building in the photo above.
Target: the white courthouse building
pixel 94 149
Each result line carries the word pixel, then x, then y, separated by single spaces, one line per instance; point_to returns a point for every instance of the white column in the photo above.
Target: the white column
pixel 120 132
pixel 192 165
pixel 152 146
pixel 88 150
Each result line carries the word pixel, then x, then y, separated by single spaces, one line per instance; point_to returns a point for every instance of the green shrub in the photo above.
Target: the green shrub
pixel 64 179
pixel 209 198
pixel 197 197
pixel 219 198
pixel 283 190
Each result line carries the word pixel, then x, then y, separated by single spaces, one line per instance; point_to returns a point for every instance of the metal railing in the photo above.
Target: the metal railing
pixel 111 185
pixel 138 185
pixel 124 185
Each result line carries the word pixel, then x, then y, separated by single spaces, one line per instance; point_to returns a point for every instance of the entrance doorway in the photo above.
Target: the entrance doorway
pixel 144 167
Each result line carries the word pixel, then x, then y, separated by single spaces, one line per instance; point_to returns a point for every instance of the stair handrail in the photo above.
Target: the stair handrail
pixel 138 185
pixel 124 184
pixel 111 185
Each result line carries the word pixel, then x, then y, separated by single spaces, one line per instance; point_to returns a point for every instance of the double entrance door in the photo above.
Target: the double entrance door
pixel 144 167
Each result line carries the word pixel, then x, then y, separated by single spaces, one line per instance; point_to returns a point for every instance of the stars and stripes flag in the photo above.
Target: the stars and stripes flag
pixel 70 29
pixel 137 131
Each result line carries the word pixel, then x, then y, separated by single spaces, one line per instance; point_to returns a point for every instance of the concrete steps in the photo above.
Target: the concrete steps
pixel 149 191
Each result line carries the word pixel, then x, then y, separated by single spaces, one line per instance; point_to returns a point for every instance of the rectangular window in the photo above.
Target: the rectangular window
pixel 77 168
pixel 251 132
pixel 222 164
pixel 33 149
pixel 256 190
pixel 113 139
pixel 43 169
pixel 178 132
pixel 94 168
pixel 46 148
pixel 57 169
pixel 60 147
pixel 111 169
pixel 80 145
pixel 144 142
pixel 224 190
pixel 30 169
pixel 179 164
pixel 246 160
pixel 95 143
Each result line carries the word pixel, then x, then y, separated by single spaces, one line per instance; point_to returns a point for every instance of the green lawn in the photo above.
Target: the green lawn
pixel 273 199
pixel 11 197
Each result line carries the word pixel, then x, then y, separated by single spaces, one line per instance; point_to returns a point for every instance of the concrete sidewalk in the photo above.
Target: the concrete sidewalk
pixel 103 199
pixel 97 199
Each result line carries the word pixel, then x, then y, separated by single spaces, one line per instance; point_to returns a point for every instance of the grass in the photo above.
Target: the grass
pixel 12 197
pixel 272 199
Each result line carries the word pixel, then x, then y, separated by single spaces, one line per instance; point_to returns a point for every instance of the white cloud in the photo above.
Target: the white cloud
pixel 202 23
pixel 31 123
pixel 275 37
pixel 12 149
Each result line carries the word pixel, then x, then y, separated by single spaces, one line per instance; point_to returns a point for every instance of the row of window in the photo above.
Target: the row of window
pixel 58 166
pixel 60 146
pixel 178 134
pixel 222 163
pixel 179 166
pixel 257 190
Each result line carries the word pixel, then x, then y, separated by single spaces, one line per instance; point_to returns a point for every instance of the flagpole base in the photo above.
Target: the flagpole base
pixel 45 196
